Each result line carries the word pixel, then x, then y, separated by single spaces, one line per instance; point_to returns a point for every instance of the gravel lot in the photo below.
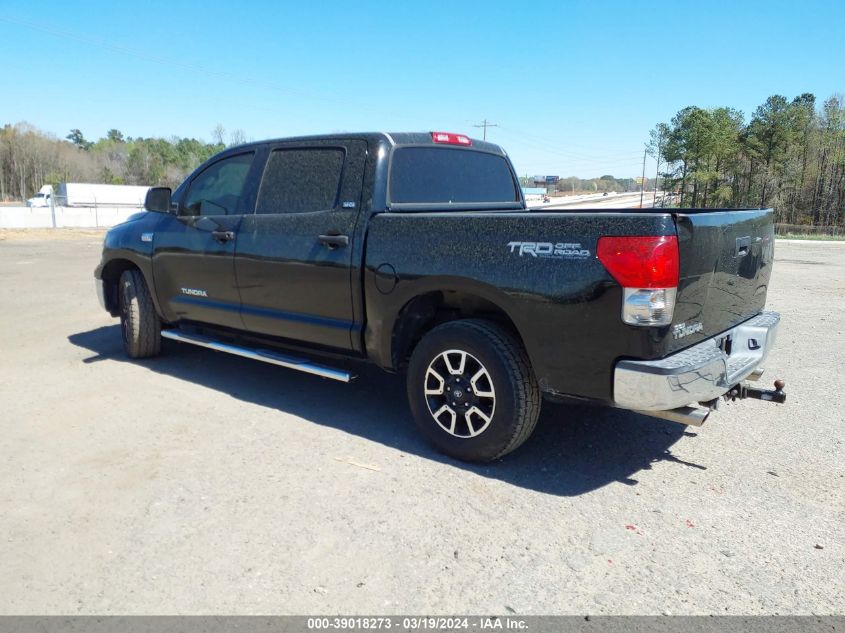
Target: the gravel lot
pixel 203 483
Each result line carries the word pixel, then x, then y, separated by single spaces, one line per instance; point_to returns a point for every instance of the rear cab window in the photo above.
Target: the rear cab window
pixel 443 177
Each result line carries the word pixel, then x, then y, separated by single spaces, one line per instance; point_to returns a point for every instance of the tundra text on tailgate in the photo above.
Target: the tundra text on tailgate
pixel 416 252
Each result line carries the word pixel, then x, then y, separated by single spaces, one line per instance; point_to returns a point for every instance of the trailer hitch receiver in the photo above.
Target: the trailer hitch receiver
pixel 742 391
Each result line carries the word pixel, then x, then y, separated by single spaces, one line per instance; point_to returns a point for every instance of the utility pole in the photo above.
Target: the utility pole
pixel 484 124
pixel 642 186
pixel 656 177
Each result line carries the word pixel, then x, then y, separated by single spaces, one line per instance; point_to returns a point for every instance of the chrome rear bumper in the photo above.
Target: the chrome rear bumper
pixel 699 373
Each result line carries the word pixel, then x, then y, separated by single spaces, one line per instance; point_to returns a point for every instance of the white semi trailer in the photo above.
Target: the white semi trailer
pixel 79 194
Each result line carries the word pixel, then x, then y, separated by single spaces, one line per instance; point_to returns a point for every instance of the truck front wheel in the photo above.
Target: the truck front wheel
pixel 139 322
pixel 472 391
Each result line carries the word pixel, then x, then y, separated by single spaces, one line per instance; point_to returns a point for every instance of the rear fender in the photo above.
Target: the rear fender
pixel 414 304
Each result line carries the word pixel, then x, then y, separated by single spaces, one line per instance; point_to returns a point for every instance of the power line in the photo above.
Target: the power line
pixel 550 142
pixel 555 149
pixel 484 124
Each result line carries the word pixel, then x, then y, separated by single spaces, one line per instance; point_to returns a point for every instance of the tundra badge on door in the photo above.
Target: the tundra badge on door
pixel 195 292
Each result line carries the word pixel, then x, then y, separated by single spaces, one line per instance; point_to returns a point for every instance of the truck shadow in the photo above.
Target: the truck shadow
pixel 574 450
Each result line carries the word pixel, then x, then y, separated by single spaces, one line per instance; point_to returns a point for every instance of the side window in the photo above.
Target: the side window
pixel 217 190
pixel 301 180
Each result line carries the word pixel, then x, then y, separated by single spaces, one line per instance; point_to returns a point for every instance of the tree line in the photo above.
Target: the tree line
pixel 790 156
pixel 30 158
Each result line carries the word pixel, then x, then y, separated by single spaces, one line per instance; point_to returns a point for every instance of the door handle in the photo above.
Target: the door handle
pixel 333 241
pixel 223 236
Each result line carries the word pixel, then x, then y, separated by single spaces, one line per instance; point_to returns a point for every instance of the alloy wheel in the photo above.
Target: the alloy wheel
pixel 459 393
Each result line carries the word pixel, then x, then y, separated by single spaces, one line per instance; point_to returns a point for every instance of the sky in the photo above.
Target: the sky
pixel 573 86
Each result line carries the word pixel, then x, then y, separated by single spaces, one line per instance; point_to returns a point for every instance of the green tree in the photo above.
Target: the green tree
pixel 723 146
pixel 768 137
pixel 78 139
pixel 656 148
pixel 684 148
pixel 790 156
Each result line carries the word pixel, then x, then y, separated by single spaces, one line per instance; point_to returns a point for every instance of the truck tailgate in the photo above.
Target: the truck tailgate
pixel 725 264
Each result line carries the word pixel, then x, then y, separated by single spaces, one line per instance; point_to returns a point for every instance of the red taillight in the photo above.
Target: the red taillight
pixel 450 139
pixel 641 262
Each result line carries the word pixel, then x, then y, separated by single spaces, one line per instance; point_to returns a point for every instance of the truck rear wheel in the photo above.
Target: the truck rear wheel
pixel 139 322
pixel 472 391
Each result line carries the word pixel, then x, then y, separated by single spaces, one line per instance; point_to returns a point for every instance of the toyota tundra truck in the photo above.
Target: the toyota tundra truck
pixel 416 252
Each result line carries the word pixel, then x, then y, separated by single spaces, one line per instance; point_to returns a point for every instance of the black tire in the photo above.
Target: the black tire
pixel 516 398
pixel 139 322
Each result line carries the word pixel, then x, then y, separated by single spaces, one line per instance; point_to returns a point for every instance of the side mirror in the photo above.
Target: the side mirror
pixel 158 199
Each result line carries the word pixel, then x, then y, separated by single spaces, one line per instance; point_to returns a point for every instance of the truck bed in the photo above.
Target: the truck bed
pixel 566 306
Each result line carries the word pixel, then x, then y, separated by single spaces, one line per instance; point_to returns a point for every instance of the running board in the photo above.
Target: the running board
pixel 264 356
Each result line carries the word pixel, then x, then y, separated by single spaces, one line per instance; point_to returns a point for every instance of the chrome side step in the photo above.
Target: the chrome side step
pixel 265 356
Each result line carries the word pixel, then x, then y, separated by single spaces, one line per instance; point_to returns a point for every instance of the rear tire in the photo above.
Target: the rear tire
pixel 139 322
pixel 472 390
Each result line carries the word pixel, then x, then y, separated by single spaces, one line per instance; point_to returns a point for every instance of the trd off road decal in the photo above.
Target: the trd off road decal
pixel 549 250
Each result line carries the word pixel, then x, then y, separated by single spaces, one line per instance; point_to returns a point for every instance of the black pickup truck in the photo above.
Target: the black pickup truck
pixel 417 252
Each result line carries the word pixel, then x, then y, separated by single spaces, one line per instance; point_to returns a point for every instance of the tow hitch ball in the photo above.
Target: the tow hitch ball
pixel 771 395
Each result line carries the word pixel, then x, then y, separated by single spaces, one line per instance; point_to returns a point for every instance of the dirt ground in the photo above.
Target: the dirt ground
pixel 29 235
pixel 198 482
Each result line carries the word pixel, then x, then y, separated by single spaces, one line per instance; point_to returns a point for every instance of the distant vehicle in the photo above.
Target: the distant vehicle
pixel 76 194
pixel 42 198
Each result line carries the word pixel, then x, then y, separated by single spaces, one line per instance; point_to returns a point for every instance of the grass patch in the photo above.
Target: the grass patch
pixel 811 238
